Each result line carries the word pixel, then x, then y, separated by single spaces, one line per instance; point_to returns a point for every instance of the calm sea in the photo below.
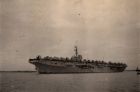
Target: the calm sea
pixel 90 82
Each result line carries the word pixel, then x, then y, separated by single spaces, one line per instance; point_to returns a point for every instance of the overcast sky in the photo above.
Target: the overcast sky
pixel 102 29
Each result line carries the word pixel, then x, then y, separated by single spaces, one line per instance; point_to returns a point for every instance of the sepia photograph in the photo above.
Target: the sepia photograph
pixel 69 46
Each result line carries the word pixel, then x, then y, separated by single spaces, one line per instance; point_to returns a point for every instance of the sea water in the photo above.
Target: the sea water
pixel 127 81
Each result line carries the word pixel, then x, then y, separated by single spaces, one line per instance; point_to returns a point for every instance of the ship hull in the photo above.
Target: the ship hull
pixel 47 68
pixel 75 64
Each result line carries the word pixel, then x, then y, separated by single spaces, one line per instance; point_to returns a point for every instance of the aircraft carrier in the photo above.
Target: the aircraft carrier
pixel 75 64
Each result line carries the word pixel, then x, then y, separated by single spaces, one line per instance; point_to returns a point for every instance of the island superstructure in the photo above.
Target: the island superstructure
pixel 75 64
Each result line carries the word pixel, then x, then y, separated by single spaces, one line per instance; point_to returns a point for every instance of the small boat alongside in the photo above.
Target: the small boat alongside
pixel 138 71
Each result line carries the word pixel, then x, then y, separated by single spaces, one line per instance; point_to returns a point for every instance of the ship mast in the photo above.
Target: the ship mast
pixel 76 51
pixel 137 69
